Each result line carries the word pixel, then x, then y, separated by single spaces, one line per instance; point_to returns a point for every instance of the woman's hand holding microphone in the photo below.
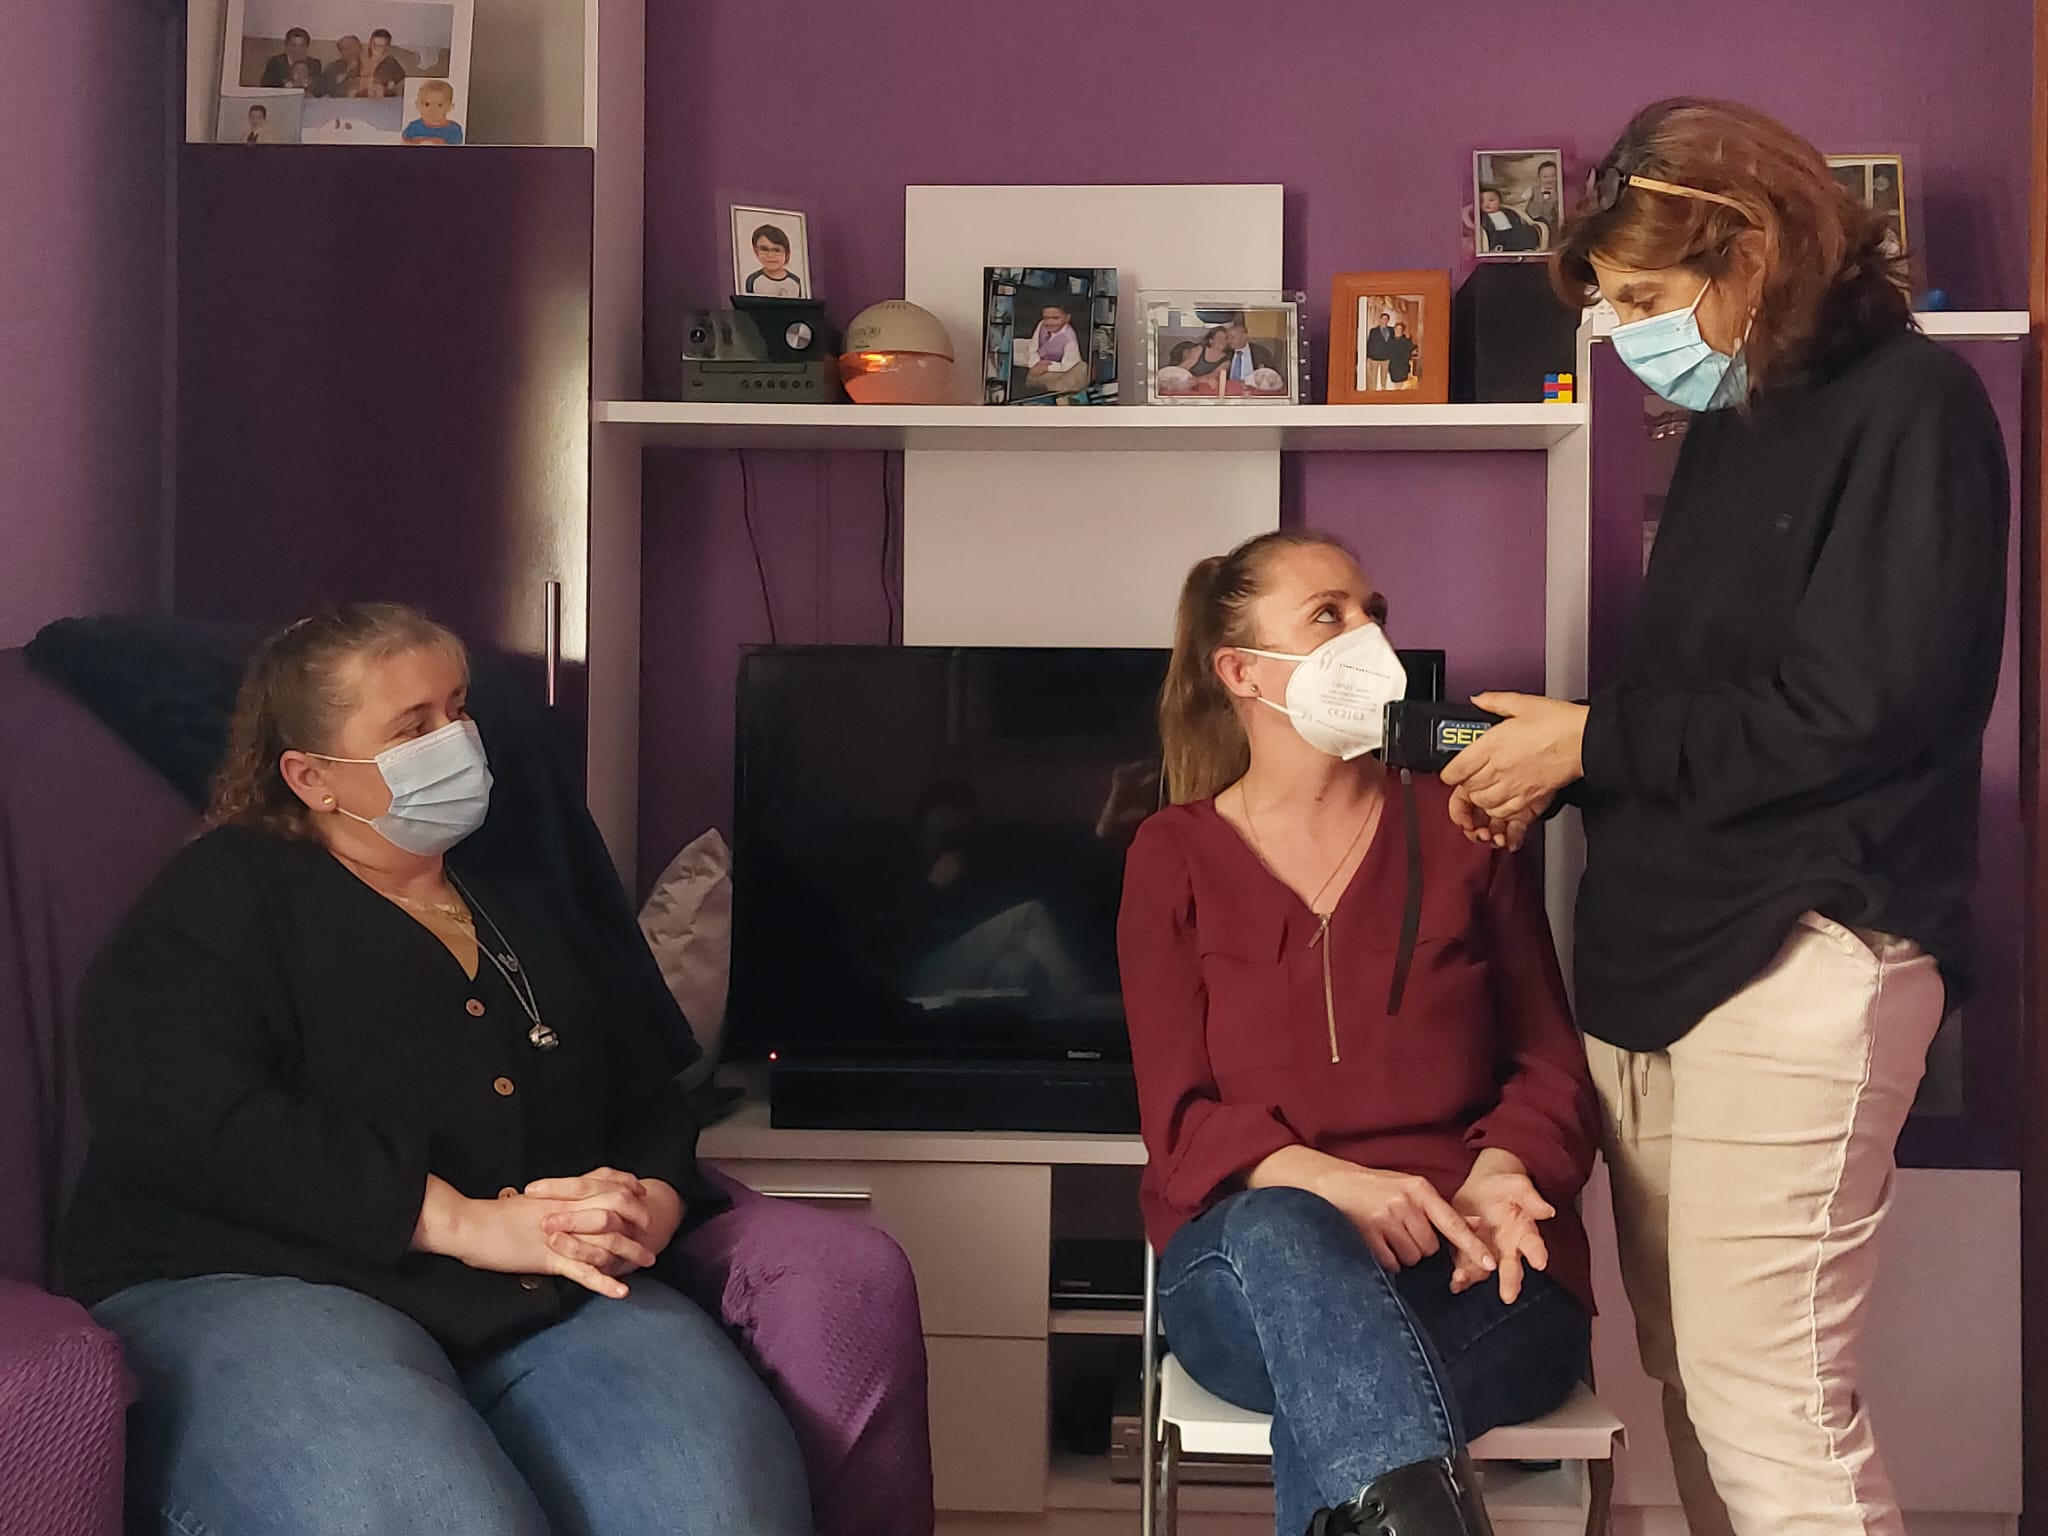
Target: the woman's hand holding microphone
pixel 591 1229
pixel 1507 778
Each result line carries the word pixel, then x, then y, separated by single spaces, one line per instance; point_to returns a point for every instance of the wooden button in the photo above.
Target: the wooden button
pixel 476 1007
pixel 507 1192
pixel 529 1282
pixel 503 1086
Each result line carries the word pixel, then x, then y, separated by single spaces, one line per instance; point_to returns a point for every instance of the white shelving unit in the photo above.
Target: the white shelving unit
pixel 1170 428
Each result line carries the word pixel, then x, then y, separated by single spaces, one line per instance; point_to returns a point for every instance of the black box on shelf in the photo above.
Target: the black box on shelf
pixel 1509 332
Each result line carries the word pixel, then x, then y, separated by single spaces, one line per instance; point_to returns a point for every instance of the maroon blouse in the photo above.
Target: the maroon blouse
pixel 1238 1054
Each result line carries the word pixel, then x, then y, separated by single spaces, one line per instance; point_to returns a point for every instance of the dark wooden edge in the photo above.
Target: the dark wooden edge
pixel 2034 799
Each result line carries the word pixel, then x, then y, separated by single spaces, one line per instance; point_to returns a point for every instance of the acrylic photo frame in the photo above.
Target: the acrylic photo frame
pixel 1227 347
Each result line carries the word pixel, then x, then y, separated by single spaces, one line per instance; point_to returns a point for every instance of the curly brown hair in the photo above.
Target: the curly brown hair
pixel 1830 288
pixel 296 691
pixel 1201 739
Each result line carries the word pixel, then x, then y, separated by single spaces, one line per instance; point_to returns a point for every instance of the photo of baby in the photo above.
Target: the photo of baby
pixel 771 253
pixel 1517 201
pixel 269 117
pixel 431 120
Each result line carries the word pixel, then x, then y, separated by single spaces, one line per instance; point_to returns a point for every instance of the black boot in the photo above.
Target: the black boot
pixel 1429 1498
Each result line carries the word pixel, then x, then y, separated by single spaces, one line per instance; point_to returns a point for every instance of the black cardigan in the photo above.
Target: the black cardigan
pixel 1800 723
pixel 276 1057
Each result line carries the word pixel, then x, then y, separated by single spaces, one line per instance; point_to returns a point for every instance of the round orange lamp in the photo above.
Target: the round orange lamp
pixel 897 354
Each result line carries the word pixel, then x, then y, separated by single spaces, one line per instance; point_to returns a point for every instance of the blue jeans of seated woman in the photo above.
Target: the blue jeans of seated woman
pixel 272 1405
pixel 1272 1301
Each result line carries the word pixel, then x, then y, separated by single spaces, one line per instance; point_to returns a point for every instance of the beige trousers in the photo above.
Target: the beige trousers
pixel 1751 1165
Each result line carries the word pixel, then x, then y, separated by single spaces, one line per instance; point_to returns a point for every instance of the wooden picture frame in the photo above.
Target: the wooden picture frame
pixel 1416 369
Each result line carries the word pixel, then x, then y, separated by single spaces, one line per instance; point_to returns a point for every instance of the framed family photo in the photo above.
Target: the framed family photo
pixel 771 252
pixel 1878 182
pixel 1223 348
pixel 1049 335
pixel 1517 201
pixel 1390 338
pixel 364 71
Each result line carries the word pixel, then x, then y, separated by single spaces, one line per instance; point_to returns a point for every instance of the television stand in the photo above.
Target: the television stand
pixel 1074 1097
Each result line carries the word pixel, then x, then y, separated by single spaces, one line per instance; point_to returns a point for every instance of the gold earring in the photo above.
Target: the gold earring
pixel 329 801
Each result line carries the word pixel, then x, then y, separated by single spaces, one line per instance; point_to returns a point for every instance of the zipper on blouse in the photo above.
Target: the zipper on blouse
pixel 1329 992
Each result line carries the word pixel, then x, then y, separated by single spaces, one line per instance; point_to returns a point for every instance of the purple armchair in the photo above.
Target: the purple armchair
pixel 824 1304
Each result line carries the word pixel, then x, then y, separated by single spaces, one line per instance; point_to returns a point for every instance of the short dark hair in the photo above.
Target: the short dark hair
pixel 1181 349
pixel 773 235
pixel 1547 165
pixel 1494 190
pixel 259 107
pixel 381 32
pixel 300 33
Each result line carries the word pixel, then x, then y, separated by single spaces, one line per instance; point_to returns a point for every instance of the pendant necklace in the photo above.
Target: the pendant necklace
pixel 500 953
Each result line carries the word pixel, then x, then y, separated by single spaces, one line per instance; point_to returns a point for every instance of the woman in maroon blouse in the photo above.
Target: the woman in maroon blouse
pixel 1366 1107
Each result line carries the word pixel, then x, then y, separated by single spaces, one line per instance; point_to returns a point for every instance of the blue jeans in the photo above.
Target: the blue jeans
pixel 1273 1302
pixel 274 1405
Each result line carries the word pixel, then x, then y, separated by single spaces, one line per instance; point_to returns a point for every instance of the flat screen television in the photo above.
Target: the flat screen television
pixel 928 849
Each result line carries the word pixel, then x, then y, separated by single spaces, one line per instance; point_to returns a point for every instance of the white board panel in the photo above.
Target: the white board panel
pixel 1051 549
pixel 1088 550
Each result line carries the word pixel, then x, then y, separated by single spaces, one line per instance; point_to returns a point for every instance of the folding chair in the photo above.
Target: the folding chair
pixel 1182 1420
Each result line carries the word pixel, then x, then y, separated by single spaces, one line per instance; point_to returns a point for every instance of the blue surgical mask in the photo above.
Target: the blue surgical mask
pixel 1670 356
pixel 440 787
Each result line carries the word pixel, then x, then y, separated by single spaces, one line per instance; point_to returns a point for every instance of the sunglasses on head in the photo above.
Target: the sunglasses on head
pixel 1610 181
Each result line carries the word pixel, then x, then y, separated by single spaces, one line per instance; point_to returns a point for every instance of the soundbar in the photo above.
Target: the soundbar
pixel 1073 1097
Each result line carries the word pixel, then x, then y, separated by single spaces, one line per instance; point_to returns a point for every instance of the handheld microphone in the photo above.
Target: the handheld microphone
pixel 1425 734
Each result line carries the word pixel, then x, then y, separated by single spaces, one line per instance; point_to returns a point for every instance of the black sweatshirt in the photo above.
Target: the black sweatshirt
pixel 1799 723
pixel 276 1057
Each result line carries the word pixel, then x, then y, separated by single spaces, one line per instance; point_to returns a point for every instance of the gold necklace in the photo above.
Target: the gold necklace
pixel 1315 902
pixel 454 911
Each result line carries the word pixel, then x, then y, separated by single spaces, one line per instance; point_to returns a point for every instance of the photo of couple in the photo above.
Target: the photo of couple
pixel 1391 357
pixel 1227 354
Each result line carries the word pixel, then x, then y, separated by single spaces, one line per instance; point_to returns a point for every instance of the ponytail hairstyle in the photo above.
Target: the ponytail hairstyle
pixel 295 694
pixel 1202 740
pixel 1830 289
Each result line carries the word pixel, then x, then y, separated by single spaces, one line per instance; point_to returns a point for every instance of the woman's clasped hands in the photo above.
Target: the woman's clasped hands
pixel 592 1229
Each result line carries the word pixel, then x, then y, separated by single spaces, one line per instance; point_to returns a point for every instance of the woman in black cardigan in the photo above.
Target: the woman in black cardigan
pixel 378 1160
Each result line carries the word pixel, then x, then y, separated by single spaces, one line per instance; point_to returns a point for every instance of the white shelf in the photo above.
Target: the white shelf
pixel 1975 324
pixel 746 1135
pixel 1129 428
pixel 1096 1321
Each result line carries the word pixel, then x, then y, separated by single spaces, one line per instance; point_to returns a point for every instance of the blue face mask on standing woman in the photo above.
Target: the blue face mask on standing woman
pixel 1668 353
pixel 440 787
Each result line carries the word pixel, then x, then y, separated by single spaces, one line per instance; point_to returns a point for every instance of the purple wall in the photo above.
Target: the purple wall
pixel 1368 122
pixel 82 245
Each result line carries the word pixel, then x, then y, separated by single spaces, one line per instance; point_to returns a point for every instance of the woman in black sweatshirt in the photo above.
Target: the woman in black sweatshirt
pixel 1779 790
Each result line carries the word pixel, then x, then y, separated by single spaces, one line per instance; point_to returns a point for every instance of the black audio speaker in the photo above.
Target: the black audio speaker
pixel 1509 331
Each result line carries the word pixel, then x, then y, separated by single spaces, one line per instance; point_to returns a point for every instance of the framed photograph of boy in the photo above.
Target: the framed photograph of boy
pixel 771 252
pixel 1390 338
pixel 367 71
pixel 1049 335
pixel 1878 182
pixel 1223 348
pixel 1517 201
